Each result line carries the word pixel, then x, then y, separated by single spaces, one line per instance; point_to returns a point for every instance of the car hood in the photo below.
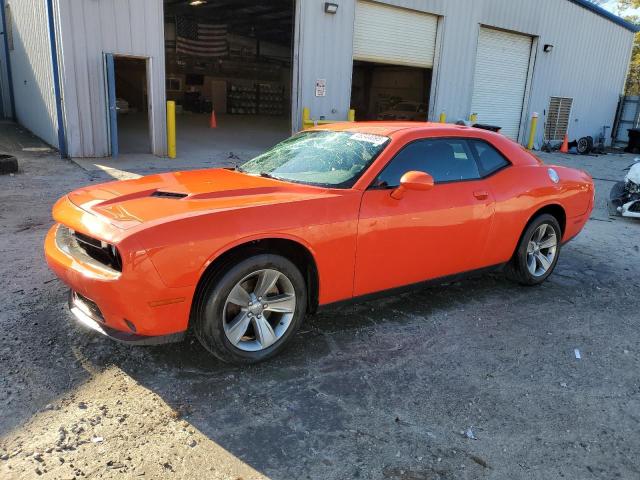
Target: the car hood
pixel 129 203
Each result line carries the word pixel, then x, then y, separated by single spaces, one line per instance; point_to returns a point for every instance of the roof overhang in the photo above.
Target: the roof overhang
pixel 608 15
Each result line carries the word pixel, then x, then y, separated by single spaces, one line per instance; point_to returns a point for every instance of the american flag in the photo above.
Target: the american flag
pixel 200 39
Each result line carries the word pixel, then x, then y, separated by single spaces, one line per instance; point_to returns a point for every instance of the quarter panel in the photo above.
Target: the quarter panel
pixel 521 191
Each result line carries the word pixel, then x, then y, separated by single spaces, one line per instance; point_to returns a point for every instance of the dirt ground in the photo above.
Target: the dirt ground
pixel 389 389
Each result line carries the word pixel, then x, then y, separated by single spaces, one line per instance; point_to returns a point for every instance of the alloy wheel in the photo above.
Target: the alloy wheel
pixel 259 309
pixel 541 250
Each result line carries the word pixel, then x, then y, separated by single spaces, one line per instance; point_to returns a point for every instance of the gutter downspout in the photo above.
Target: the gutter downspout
pixel 62 137
pixel 8 60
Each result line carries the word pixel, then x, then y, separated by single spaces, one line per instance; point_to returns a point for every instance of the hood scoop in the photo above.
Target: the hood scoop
pixel 163 194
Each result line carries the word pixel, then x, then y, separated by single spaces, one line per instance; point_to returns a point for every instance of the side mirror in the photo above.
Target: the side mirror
pixel 413 180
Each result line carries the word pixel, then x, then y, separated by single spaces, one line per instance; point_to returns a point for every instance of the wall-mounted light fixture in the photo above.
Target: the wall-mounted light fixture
pixel 331 8
pixel 548 48
pixel 195 3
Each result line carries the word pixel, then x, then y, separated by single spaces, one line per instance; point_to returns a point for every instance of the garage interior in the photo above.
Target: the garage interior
pixel 390 92
pixel 232 57
pixel 132 104
pixel 393 60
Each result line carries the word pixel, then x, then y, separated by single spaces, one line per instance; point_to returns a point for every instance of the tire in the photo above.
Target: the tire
pixel 519 268
pixel 219 317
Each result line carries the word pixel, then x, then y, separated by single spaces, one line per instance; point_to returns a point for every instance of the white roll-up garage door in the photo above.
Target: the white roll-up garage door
pixel 392 35
pixel 500 81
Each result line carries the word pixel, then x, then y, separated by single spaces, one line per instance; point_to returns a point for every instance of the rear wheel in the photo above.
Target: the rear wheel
pixel 249 312
pixel 537 253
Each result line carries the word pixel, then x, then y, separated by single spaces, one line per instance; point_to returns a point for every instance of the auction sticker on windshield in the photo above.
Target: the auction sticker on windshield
pixel 369 138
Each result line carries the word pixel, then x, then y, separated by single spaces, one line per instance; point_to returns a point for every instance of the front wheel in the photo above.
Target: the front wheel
pixel 537 253
pixel 249 312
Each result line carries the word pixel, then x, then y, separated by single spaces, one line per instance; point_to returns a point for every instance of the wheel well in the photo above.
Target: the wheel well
pixel 291 250
pixel 554 210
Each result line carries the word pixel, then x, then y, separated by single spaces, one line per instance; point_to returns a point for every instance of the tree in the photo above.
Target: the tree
pixel 626 4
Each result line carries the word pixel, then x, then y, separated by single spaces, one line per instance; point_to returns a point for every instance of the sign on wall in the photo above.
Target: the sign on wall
pixel 321 87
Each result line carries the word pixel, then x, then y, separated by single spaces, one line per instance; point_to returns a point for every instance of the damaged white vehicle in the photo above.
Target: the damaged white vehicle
pixel 625 196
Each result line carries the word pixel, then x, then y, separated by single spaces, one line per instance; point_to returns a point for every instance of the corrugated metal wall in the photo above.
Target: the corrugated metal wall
pixel 324 51
pixel 87 30
pixel 589 60
pixel 31 69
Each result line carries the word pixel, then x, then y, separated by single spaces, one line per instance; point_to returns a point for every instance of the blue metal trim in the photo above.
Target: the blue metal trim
pixel 8 60
pixel 608 15
pixel 62 138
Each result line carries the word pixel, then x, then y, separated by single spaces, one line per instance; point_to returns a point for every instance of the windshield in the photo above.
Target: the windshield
pixel 320 157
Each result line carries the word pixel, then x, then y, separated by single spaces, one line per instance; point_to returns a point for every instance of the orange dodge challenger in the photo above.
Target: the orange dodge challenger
pixel 342 211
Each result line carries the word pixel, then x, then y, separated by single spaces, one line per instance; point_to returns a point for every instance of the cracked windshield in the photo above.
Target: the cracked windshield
pixel 326 158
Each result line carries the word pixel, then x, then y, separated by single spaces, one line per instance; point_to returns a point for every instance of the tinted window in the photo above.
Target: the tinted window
pixel 489 159
pixel 445 159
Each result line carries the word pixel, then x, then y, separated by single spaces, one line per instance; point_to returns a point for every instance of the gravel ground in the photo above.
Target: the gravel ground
pixel 475 379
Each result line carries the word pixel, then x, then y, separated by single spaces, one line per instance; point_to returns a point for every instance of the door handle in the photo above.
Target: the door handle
pixel 481 195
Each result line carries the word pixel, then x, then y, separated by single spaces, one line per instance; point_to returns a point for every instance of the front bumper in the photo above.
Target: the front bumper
pixel 134 305
pixel 86 317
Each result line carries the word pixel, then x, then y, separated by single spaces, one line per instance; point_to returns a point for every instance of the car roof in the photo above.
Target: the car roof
pixel 391 128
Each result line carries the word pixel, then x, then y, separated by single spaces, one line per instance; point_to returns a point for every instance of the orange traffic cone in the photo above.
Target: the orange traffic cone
pixel 565 144
pixel 212 121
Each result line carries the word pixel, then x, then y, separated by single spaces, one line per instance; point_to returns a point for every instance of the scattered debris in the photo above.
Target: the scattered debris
pixel 470 433
pixel 479 460
pixel 97 439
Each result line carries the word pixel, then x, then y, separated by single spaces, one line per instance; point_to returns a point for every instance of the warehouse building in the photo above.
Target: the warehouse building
pixel 92 77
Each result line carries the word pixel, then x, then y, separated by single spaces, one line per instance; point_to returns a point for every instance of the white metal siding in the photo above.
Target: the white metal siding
pixel 325 51
pixel 89 29
pixel 397 36
pixel 31 69
pixel 502 64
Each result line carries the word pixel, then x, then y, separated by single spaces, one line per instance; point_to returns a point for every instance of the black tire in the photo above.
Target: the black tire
pixel 208 319
pixel 517 269
pixel 583 147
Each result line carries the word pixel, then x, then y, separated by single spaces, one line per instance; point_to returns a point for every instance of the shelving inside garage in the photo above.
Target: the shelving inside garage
pixel 241 53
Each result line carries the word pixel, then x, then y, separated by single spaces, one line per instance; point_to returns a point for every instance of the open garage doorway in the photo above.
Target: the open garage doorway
pixel 132 104
pixel 393 61
pixel 390 92
pixel 232 58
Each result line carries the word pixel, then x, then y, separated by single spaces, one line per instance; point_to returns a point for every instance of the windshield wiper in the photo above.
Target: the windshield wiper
pixel 268 175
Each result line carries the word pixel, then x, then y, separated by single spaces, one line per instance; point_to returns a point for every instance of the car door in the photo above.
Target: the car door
pixel 425 234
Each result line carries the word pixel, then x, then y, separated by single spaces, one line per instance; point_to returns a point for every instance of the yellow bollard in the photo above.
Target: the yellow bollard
pixel 443 117
pixel 306 117
pixel 473 118
pixel 352 116
pixel 171 129
pixel 532 132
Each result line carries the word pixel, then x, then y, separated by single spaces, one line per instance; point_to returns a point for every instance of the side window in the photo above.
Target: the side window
pixel 445 159
pixel 489 159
